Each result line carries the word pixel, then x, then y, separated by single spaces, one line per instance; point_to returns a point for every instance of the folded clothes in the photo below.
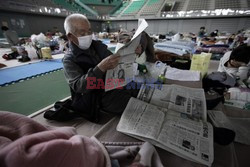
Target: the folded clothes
pixel 179 48
pixel 216 46
pixel 215 50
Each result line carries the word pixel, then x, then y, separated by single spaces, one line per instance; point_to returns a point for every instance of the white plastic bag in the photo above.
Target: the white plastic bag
pixel 31 51
pixel 176 37
pixel 156 69
pixel 33 39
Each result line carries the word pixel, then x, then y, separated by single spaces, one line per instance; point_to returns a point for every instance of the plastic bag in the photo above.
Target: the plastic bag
pixel 31 51
pixel 176 37
pixel 156 69
pixel 46 53
pixel 33 39
pixel 200 62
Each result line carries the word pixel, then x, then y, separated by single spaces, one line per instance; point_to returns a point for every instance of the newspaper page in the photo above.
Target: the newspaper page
pixel 239 125
pixel 125 68
pixel 119 76
pixel 172 131
pixel 190 101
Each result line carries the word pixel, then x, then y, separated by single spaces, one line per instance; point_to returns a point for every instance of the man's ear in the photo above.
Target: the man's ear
pixel 70 37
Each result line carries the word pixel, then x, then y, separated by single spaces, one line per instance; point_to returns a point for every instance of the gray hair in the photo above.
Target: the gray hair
pixel 68 26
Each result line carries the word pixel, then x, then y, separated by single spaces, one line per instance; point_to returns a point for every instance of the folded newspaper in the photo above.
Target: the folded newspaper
pixel 125 71
pixel 176 126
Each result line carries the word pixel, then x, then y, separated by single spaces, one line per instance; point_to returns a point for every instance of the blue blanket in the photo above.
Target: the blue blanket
pixel 23 72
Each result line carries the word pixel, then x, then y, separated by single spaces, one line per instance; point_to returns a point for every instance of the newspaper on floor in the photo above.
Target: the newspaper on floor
pixel 169 130
pixel 239 125
pixel 190 101
pixel 124 72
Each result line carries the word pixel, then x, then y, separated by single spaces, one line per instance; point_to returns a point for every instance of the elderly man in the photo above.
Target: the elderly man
pixel 11 36
pixel 88 60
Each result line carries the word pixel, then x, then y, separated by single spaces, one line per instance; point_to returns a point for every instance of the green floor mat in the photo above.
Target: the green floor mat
pixel 34 94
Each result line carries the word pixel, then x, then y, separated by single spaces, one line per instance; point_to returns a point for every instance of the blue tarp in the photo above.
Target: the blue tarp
pixel 23 72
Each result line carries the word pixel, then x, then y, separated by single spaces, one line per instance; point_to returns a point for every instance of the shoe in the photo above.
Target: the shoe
pixel 61 114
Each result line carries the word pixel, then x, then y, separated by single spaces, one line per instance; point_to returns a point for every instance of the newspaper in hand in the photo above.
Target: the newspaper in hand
pixel 170 130
pixel 124 72
pixel 190 101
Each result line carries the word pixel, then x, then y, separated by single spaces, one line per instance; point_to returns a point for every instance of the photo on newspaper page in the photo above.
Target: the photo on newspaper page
pixel 125 68
pixel 119 76
pixel 169 130
pixel 190 101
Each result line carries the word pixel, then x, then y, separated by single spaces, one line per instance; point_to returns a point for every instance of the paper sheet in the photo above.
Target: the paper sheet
pixel 124 72
pixel 168 130
pixel 182 75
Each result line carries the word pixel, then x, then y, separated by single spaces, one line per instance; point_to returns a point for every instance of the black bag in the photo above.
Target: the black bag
pixel 218 81
pixel 24 58
pixel 223 136
pixel 62 112
pixel 68 110
pixel 10 56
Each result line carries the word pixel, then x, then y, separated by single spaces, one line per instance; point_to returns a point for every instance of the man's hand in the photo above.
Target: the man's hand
pixel 109 62
pixel 138 50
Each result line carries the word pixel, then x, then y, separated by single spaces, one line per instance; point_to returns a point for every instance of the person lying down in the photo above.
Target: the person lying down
pixel 26 143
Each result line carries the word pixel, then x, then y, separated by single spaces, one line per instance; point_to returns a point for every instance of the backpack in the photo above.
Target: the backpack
pixel 218 81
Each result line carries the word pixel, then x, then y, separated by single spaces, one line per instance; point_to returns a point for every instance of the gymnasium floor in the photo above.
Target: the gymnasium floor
pixel 34 96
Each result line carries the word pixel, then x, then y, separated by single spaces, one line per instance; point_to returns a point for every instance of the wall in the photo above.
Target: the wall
pixel 163 26
pixel 27 24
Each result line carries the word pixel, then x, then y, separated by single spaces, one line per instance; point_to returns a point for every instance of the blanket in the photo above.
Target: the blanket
pixel 26 143
pixel 132 154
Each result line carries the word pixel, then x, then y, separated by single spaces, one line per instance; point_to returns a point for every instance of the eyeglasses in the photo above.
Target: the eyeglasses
pixel 86 33
pixel 80 34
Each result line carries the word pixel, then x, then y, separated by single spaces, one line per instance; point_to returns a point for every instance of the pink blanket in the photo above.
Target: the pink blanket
pixel 24 142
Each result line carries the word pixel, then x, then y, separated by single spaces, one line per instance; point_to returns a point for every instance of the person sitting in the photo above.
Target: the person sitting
pixel 202 32
pixel 214 33
pixel 234 61
pixel 85 66
pixel 144 51
pixel 10 35
pixel 146 47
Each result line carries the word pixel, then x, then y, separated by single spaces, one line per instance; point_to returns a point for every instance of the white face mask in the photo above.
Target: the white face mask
pixel 84 41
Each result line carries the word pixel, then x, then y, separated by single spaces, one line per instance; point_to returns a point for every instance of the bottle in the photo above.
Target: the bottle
pixel 142 68
pixel 161 78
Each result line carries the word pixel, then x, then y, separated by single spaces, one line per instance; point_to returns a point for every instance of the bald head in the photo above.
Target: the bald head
pixel 76 23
